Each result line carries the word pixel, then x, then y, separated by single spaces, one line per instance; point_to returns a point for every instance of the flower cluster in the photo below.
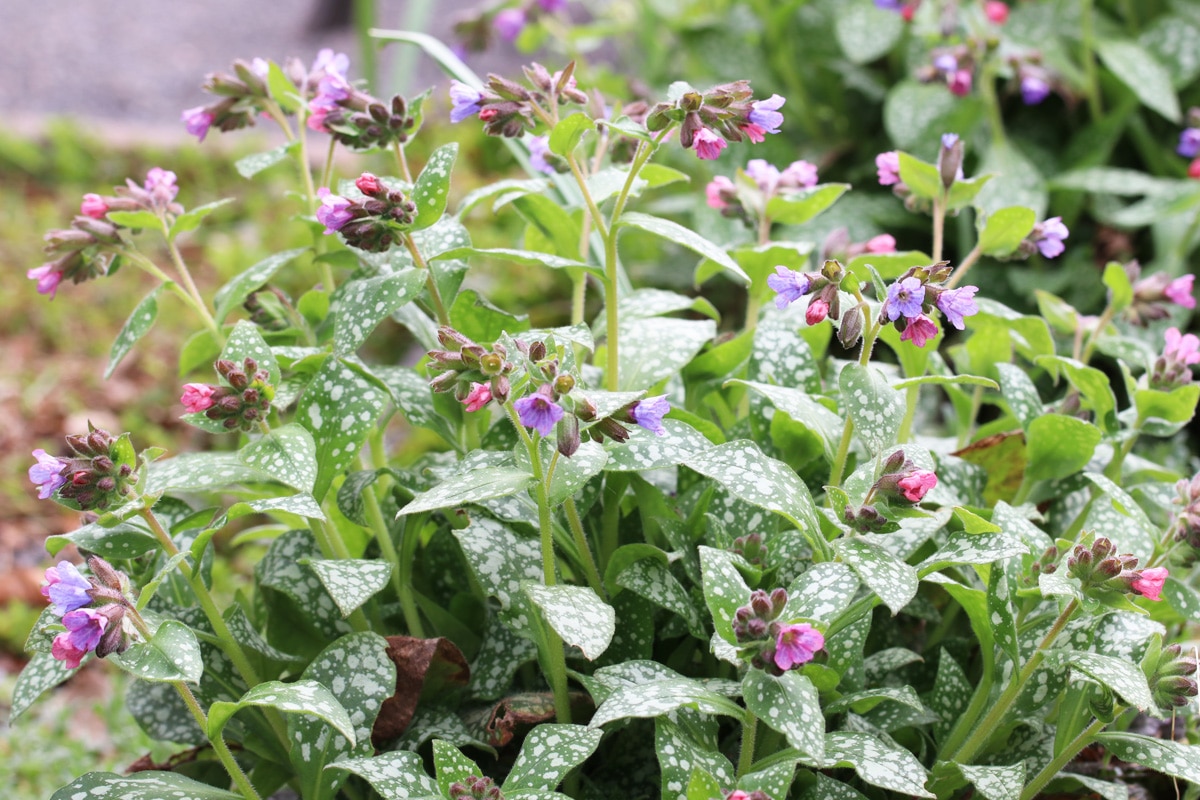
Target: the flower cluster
pixel 100 472
pixel 1189 142
pixel 762 182
pixel 768 643
pixel 1100 569
pixel 1172 369
pixel 791 285
pixel 913 297
pixel 1154 294
pixel 475 788
pixel 475 374
pixel 242 97
pixel 710 120
pixel 1046 238
pixel 71 595
pixel 1173 677
pixel 1186 521
pixel 953 66
pixel 901 483
pixel 373 223
pixel 242 403
pixel 509 109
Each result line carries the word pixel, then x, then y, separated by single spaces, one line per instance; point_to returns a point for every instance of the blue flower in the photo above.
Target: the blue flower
pixel 765 113
pixel 958 303
pixel 467 101
pixel 66 589
pixel 649 413
pixel 905 298
pixel 789 284
pixel 539 411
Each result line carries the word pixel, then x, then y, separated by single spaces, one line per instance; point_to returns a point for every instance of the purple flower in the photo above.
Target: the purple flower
pixel 889 5
pixel 801 174
pixel 764 174
pixel 708 145
pixel 949 140
pixel 946 63
pixel 262 68
pixel 905 298
pixel 920 329
pixel 887 166
pixel 1189 143
pixel 539 146
pixel 648 413
pixel 1034 90
pixel 509 23
pixel 331 63
pixel 197 121
pixel 958 303
pixel 466 101
pixel 1049 235
pixel 66 589
pixel 790 285
pixel 160 183
pixel 1178 291
pixel 46 473
pixel 550 6
pixel 765 113
pixel 796 645
pixel 334 211
pixel 85 626
pixel 48 278
pixel 539 411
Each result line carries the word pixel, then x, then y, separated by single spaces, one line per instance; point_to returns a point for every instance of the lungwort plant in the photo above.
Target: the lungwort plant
pixel 871 534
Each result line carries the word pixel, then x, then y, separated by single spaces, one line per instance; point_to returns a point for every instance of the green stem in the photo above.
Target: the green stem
pixel 969 429
pixel 408 555
pixel 310 191
pixel 964 267
pixel 911 395
pixel 1113 470
pixel 383 538
pixel 1103 323
pixel 746 754
pixel 1035 786
pixel 987 90
pixel 585 552
pixel 1087 32
pixel 939 224
pixel 327 169
pixel 438 306
pixel 864 357
pixel 331 544
pixel 150 268
pixel 402 162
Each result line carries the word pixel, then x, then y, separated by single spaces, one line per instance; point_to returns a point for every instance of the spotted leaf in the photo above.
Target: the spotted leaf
pixel 364 303
pixel 549 753
pixel 150 785
pixel 789 704
pixel 339 408
pixel 352 581
pixel 287 454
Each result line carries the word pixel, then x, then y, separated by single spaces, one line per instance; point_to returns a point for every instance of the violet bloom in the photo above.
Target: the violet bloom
pixel 765 113
pixel 262 68
pixel 509 23
pixel 801 174
pixel 789 284
pixel 539 147
pixel 1179 291
pixel 1049 235
pixel 958 303
pixel 160 183
pixel 945 63
pixel 334 211
pixel 46 474
pixel 197 121
pixel 649 413
pixel 796 645
pixel 716 191
pixel 538 411
pixel 905 298
pixel 479 396
pixel 550 6
pixel 85 626
pixel 916 484
pixel 887 166
pixel 466 101
pixel 708 145
pixel 1034 90
pixel 1189 143
pixel 764 174
pixel 93 206
pixel 331 63
pixel 1149 582
pixel 1183 348
pixel 66 589
pixel 48 278
pixel 197 397
pixel 919 330
pixel 889 5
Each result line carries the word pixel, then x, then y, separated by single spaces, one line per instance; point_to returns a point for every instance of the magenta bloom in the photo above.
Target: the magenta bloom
pixel 334 211
pixel 716 191
pixel 1189 143
pixel 916 484
pixel 796 645
pixel 538 411
pixel 66 589
pixel 887 166
pixel 48 278
pixel 817 311
pixel 755 133
pixel 904 298
pixel 466 102
pixel 1180 291
pixel 1049 235
pixel 1149 582
pixel 765 113
pixel 550 6
pixel 509 23
pixel 197 397
pixel 996 11
pixel 789 285
pixel 85 626
pixel 764 174
pixel 1034 90
pixel 93 206
pixel 800 174
pixel 958 303
pixel 881 244
pixel 539 148
pixel 1183 348
pixel 920 329
pixel 960 83
pixel 649 413
pixel 160 183
pixel 46 474
pixel 708 145
pixel 368 184
pixel 197 121
pixel 479 396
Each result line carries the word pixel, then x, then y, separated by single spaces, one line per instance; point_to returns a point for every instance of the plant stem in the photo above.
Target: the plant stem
pixel 383 538
pixel 332 546
pixel 402 162
pixel 1091 78
pixel 438 306
pixel 1069 752
pixel 408 552
pixel 186 278
pixel 964 267
pixel 746 754
pixel 939 224
pixel 1105 319
pixel 150 268
pixel 585 552
pixel 864 358
pixel 327 170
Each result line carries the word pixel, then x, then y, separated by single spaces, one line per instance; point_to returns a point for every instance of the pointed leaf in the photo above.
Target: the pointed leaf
pixel 789 704
pixel 40 675
pixel 396 774
pixel 566 135
pixel 894 581
pixel 1124 678
pixel 138 324
pixel 364 303
pixel 675 343
pixel 687 238
pixel 172 654
pixel 749 475
pixel 246 342
pixel 472 487
pixel 876 763
pixel 432 190
pixel 875 407
pixel 301 697
pixel 548 754
pixel 287 454
pixel 339 407
pixel 352 582
pixel 1172 758
pixel 150 785
pixel 577 614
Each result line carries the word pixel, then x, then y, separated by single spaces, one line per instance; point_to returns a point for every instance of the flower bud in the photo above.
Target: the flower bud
pixel 501 388
pixel 537 351
pixel 852 327
pixel 760 602
pixel 950 158
pixel 568 435
pixel 563 384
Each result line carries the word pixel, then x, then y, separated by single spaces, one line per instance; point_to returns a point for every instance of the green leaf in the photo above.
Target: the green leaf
pixel 652 579
pixel 246 342
pixel 675 343
pixel 126 540
pixel 876 763
pixel 302 505
pixel 827 788
pixel 550 751
pixel 800 207
pixel 1122 677
pixel 1177 759
pixel 287 454
pixel 191 219
pixel 972 548
pixel 340 407
pixel 995 783
pixel 1183 598
pixel 135 219
pixel 1112 180
pixel 351 582
pixel 577 614
pixel 1018 181
pixel 725 589
pixel 528 257
pixel 200 471
pixel 804 409
pixel 687 238
pixel 947 380
pixel 822 593
pixel 471 487
pixel 172 654
pixel 963 192
pixel 1005 229
pixel 678 754
pixel 659 691
pixel 554 223
pixel 138 324
pixel 1057 446
pixel 251 165
pixel 364 303
pixel 282 90
pixel 645 451
pixel 865 32
pixel 566 135
pixel 951 693
pixel 150 785
pixel 749 475
pixel 40 675
pixel 1176 407
pixel 894 581
pixel 789 704
pixel 395 774
pixel 1138 69
pixel 914 114
pixel 301 697
pixel 1094 387
pixel 657 175
pixel 452 766
pixel 1119 286
pixel 503 191
pixel 874 406
pixel 432 189
pixel 1020 393
pixel 644 303
pixel 920 176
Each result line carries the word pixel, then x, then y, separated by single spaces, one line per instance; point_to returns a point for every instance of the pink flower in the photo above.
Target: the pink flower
pixel 887 165
pixel 708 145
pixel 916 484
pixel 509 23
pixel 883 243
pixel 480 396
pixel 996 11
pixel 160 183
pixel 715 192
pixel 1149 582
pixel 197 121
pixel 755 133
pixel 46 474
pixel 84 629
pixel 796 645
pixel 48 278
pixel 1180 291
pixel 93 206
pixel 368 184
pixel 764 174
pixel 334 211
pixel 800 174
pixel 960 83
pixel 920 329
pixel 197 397
pixel 316 119
pixel 816 312
pixel 1182 347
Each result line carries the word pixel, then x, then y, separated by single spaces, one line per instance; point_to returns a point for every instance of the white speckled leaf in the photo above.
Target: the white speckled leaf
pixel 282 571
pixel 1122 677
pixel 827 788
pixel 678 755
pixel 398 774
pixel 894 581
pixel 1183 598
pixel 724 590
pixel 644 450
pixel 969 548
pixel 821 593
pixel 172 654
pixel 501 560
pixel 41 674
pixel 644 303
pixel 161 713
pixel 880 664
pixel 951 693
pixel 549 753
pixel 864 701
pixel 1173 758
pixel 1002 615
pixel 140 321
pixel 151 785
pixel 287 454
pixel 996 783
pixel 432 189
pixel 1119 517
pixel 651 578
pixel 239 288
pixel 126 540
pixel 876 763
pixel 302 505
pixel 189 472
pixel 570 474
pixel 781 356
pixel 1125 635
pixel 1106 790
pixel 659 347
pixel 352 581
pixel 437 722
pixel 804 409
pixel 657 697
pixel 1019 392
pixel 577 614
pixel 301 697
pixel 452 766
pixel 411 394
pixel 339 407
pixel 788 704
pixel 873 404
pixel 501 655
pixel 246 342
pixel 742 468
pixel 471 487
pixel 364 303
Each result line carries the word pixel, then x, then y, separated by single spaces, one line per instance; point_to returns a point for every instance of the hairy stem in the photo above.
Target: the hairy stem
pixel 438 306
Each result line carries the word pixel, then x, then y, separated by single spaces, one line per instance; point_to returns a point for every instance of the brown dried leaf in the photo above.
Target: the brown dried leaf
pixel 423 666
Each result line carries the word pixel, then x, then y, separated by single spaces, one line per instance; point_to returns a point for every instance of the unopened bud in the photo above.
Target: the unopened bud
pixel 563 384
pixel 568 435
pixel 760 601
pixel 950 158
pixel 501 388
pixel 537 351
